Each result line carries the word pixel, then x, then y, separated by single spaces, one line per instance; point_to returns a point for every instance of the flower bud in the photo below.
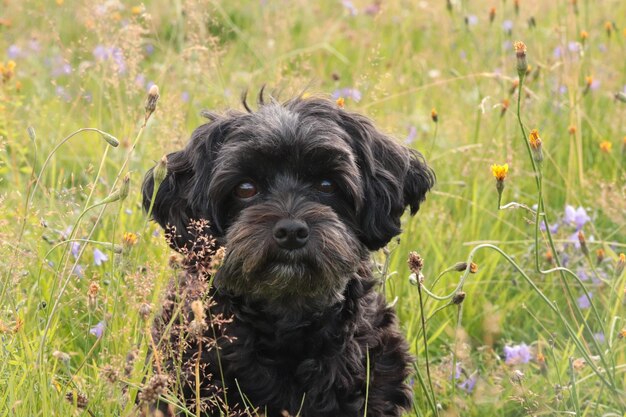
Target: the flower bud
pixel 520 54
pixel 160 172
pixel 111 140
pixel 31 133
pixel 535 146
pixel 458 297
pixel 583 243
pixel 621 263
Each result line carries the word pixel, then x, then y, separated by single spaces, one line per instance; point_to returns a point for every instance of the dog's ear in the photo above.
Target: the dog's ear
pixel 182 196
pixel 393 176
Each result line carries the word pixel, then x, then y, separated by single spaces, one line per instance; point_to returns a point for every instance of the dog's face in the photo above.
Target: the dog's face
pixel 299 193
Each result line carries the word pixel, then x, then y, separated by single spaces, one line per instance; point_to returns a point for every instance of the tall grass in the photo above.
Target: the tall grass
pixel 512 317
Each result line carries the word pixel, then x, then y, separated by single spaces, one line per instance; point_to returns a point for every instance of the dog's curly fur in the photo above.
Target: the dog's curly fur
pixel 303 321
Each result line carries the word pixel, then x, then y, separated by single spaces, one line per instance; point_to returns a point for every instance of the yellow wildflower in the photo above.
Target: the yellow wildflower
pixel 500 171
pixel 534 139
pixel 129 239
pixel 606 146
pixel 572 130
pixel 584 35
pixel 136 10
pixel 434 115
pixel 341 102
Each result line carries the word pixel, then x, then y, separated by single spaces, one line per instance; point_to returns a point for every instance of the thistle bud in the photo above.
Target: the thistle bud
pixel 520 54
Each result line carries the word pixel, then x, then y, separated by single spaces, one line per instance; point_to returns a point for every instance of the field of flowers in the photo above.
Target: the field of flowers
pixel 520 306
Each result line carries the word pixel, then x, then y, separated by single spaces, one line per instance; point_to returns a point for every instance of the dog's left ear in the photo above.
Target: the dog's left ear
pixel 393 175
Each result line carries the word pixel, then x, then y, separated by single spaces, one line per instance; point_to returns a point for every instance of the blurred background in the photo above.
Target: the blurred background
pixel 439 76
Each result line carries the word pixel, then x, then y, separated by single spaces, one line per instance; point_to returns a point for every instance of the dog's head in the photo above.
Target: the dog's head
pixel 298 192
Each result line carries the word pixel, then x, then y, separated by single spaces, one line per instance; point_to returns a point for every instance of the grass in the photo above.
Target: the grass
pixel 82 64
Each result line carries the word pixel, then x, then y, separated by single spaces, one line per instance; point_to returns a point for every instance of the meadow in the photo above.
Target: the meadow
pixel 520 307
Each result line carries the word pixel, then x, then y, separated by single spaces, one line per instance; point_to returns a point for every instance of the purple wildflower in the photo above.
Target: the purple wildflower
pixel 517 354
pixel 79 271
pixel 558 52
pixel 582 274
pixel 553 227
pixel 75 249
pixel 140 80
pixel 149 48
pixel 347 92
pixel 14 51
pixel 59 67
pixel 563 90
pixel 62 93
pixel 410 137
pixel 98 329
pixel 469 383
pixel 573 46
pixel 471 20
pixel 113 53
pixel 507 26
pixel 372 10
pixel 34 45
pixel 99 257
pixel 584 302
pixel 599 337
pixel 347 4
pixel 184 96
pixel 578 216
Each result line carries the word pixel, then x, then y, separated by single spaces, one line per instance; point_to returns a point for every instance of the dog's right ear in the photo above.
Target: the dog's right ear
pixel 174 203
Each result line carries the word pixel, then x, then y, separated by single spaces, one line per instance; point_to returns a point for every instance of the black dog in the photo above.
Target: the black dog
pixel 299 193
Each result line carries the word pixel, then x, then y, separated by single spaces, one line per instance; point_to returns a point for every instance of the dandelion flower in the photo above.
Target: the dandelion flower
pixel 341 102
pixel 129 239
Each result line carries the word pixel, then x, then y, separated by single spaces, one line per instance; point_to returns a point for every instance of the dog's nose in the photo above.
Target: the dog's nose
pixel 291 234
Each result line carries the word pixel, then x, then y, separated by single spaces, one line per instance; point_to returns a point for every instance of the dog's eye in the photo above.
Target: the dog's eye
pixel 246 189
pixel 325 186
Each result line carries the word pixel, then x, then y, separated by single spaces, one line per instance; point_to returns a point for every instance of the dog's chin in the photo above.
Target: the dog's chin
pixel 287 281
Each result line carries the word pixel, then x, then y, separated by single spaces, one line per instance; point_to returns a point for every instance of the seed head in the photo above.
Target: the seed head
pixel 416 263
pixel 77 398
pixel 153 389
